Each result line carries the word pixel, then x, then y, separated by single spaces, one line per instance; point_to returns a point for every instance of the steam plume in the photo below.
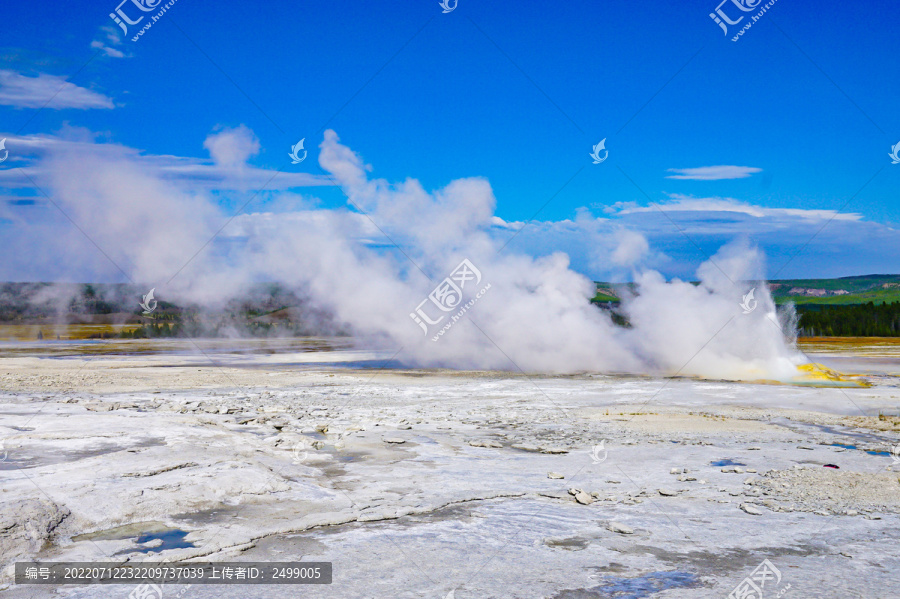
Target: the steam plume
pixel 535 315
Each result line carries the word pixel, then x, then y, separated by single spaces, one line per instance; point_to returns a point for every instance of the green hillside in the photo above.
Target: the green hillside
pixel 877 289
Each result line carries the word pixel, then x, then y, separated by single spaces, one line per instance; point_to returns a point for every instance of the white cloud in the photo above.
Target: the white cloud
pixel 98 45
pixel 683 203
pixel 231 148
pixel 680 233
pixel 112 39
pixel 188 173
pixel 713 173
pixel 47 91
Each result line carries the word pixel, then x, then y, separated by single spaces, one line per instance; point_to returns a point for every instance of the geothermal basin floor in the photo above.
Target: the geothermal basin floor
pixel 423 483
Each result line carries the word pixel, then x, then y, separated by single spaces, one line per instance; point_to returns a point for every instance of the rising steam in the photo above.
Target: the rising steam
pixel 536 315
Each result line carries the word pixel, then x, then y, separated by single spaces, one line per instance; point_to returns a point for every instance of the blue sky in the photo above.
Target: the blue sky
pixel 806 100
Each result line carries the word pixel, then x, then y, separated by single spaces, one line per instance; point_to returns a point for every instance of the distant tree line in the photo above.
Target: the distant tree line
pixel 818 320
pixel 854 320
pixel 190 326
pixel 156 330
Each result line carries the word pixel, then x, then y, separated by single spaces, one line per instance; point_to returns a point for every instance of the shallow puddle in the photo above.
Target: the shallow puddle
pixel 172 538
pixel 150 537
pixel 121 532
pixel 631 588
pixel 870 452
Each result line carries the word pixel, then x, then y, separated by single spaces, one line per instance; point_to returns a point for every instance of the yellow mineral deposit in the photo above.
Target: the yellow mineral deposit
pixel 819 374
